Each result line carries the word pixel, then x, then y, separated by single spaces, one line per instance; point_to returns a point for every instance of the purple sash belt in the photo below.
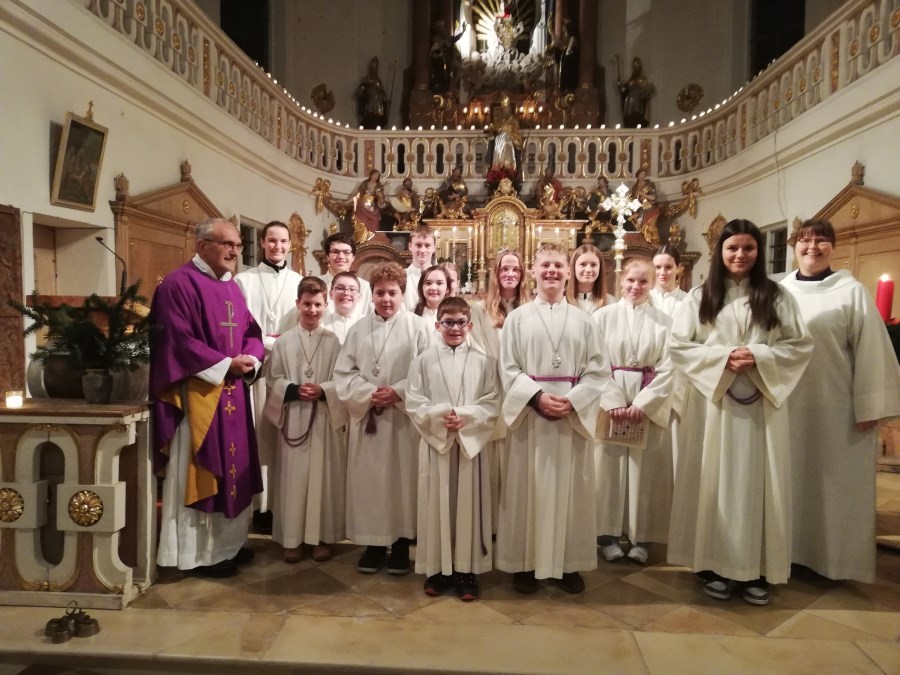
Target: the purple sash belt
pixel 647 373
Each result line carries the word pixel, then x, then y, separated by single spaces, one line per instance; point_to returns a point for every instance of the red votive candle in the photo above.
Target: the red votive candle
pixel 884 296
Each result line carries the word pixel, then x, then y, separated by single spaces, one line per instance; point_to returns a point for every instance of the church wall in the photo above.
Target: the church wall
pixel 332 41
pixel 155 122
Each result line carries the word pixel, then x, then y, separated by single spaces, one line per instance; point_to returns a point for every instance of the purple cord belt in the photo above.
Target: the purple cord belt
pixel 647 373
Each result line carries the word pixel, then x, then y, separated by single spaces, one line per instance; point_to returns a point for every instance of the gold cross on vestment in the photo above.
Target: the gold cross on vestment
pixel 232 449
pixel 232 471
pixel 229 388
pixel 230 324
pixel 234 491
pixel 230 408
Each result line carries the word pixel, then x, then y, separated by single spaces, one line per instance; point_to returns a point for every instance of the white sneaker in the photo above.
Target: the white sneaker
pixel 639 554
pixel 612 552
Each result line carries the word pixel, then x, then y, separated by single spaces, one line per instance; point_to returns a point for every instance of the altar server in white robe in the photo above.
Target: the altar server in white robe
pixel 506 290
pixel 852 382
pixel 453 398
pixel 343 301
pixel 270 289
pixel 434 286
pixel 666 296
pixel 370 375
pixel 554 374
pixel 741 342
pixel 341 251
pixel 311 457
pixel 634 486
pixel 587 284
pixel 422 246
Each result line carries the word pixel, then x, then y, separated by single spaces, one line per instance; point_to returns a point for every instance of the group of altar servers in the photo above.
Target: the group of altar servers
pixel 389 411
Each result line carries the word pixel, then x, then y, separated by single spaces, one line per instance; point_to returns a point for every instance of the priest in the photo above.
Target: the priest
pixel 270 290
pixel 204 350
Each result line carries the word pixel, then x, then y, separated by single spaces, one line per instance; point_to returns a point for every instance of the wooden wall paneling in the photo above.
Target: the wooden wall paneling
pixel 12 347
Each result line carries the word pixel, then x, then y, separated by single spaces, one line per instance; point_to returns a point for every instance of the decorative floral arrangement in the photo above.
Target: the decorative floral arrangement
pixel 498 173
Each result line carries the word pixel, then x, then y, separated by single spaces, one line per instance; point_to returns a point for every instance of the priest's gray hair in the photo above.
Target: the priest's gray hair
pixel 204 230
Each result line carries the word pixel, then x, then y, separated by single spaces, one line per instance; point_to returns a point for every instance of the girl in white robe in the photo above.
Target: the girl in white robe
pixel 853 381
pixel 370 376
pixel 453 398
pixel 506 291
pixel 270 290
pixel 666 296
pixel 634 486
pixel 434 286
pixel 554 373
pixel 741 343
pixel 587 279
pixel 311 457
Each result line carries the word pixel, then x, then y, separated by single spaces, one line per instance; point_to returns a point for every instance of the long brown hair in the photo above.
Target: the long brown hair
pixel 493 300
pixel 763 291
pixel 421 304
pixel 598 290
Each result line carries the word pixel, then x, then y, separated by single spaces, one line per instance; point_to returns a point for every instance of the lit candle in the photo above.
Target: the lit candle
pixel 884 296
pixel 14 399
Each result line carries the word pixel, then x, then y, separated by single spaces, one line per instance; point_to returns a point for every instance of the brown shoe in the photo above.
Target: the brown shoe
pixel 293 555
pixel 321 552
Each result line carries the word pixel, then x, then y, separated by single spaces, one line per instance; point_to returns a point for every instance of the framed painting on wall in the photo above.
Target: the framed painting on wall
pixel 75 179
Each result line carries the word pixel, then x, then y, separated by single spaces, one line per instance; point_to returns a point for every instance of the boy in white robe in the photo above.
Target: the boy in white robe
pixel 270 289
pixel 453 397
pixel 382 461
pixel 422 246
pixel 344 299
pixel 554 373
pixel 312 444
pixel 634 486
pixel 341 251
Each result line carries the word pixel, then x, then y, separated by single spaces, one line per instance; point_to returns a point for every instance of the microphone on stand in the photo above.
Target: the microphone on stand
pixel 122 284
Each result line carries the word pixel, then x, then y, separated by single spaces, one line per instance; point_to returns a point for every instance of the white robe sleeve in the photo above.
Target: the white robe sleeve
pixel 876 374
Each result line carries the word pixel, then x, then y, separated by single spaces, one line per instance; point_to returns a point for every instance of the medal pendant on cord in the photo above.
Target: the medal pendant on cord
pixel 308 372
pixel 557 361
pixel 632 362
pixel 376 371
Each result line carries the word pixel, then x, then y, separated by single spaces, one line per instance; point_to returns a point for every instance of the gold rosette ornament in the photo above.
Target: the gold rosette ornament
pixel 85 508
pixel 11 505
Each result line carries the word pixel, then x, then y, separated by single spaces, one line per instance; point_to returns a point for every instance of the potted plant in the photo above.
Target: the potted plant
pixel 100 336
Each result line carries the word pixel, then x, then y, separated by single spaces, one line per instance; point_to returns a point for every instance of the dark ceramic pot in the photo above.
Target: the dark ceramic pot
pixel 97 385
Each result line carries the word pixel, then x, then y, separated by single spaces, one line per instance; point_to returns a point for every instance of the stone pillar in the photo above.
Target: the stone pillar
pixel 420 98
pixel 586 108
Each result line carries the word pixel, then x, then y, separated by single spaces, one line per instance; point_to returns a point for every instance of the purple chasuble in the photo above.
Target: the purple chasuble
pixel 198 322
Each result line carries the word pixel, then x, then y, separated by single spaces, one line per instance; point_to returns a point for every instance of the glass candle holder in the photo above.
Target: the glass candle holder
pixel 14 399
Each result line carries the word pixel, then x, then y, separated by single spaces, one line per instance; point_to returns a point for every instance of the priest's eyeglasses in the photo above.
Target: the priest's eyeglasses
pixel 230 245
pixel 453 323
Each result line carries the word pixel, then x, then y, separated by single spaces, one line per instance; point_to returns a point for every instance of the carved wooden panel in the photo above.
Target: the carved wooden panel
pixel 12 347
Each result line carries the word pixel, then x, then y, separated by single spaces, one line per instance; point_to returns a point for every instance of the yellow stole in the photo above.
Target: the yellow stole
pixel 202 402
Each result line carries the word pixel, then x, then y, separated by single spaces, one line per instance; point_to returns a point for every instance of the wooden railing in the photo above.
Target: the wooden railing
pixel 854 41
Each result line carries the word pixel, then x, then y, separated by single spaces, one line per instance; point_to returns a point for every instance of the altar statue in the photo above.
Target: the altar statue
pixel 454 195
pixel 507 144
pixel 599 194
pixel 405 203
pixel 568 58
pixel 445 57
pixel 369 200
pixel 372 103
pixel 548 179
pixel 644 190
pixel 635 93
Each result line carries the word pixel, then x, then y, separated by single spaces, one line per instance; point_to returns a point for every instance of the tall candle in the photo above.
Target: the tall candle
pixel 884 296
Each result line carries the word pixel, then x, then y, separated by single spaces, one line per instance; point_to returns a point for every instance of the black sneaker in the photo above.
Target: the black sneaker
pixel 221 570
pixel 398 562
pixel 466 586
pixel 525 582
pixel 438 584
pixel 372 560
pixel 571 582
pixel 244 556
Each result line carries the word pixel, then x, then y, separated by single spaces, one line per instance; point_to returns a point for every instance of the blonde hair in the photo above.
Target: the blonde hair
pixel 493 299
pixel 640 261
pixel 598 290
